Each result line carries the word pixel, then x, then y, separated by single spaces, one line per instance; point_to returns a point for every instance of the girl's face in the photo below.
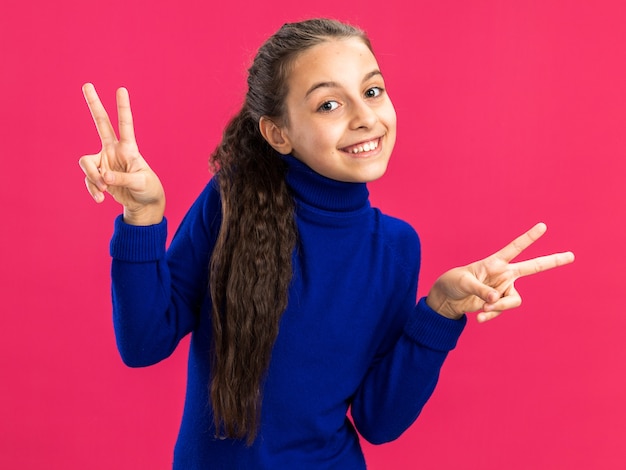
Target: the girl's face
pixel 340 120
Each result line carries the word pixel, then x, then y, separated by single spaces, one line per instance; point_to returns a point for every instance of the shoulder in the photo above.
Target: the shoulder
pixel 401 238
pixel 209 201
pixel 205 214
pixel 397 231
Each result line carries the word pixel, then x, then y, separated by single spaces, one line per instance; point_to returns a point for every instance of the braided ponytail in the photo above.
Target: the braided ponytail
pixel 251 269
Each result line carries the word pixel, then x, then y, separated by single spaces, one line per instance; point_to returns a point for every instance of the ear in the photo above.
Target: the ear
pixel 275 135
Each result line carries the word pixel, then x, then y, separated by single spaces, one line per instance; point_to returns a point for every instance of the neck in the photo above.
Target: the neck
pixel 321 192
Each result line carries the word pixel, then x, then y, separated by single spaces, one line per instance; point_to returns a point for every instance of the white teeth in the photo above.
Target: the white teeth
pixel 365 147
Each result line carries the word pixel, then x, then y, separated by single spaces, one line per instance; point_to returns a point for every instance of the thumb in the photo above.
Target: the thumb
pixel 135 181
pixel 471 285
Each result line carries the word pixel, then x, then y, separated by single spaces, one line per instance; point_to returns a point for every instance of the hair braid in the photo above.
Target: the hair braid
pixel 251 266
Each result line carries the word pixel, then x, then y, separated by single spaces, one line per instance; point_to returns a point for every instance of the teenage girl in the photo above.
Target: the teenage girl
pixel 299 296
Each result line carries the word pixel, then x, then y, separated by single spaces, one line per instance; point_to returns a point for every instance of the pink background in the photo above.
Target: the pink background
pixel 509 113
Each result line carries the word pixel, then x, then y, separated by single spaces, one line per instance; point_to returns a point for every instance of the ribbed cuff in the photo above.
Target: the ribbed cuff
pixel 432 330
pixel 138 244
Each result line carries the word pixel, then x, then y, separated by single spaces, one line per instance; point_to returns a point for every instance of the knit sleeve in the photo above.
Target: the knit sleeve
pixel 398 386
pixel 403 375
pixel 157 293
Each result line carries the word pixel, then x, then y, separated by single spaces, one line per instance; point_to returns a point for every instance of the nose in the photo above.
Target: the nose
pixel 363 116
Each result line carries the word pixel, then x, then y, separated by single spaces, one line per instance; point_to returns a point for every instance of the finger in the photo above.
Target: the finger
pixel 542 263
pixel 522 242
pixel 99 115
pixel 132 181
pixel 470 285
pixel 96 194
pixel 482 317
pixel 90 166
pixel 510 300
pixel 125 116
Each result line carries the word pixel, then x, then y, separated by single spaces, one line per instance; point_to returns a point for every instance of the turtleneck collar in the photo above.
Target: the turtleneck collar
pixel 321 192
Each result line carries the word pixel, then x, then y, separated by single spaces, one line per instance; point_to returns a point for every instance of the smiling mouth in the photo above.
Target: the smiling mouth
pixel 363 147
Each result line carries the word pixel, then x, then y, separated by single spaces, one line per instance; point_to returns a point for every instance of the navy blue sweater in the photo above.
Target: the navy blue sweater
pixel 352 336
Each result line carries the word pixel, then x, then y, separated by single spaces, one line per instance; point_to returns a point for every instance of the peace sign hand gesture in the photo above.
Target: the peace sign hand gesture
pixel 489 284
pixel 119 168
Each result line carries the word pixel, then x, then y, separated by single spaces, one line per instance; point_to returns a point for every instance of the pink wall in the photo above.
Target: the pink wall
pixel 509 113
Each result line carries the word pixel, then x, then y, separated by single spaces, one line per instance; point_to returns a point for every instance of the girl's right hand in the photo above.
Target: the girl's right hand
pixel 119 169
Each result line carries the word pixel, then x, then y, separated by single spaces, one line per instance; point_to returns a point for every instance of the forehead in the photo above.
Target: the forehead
pixel 335 60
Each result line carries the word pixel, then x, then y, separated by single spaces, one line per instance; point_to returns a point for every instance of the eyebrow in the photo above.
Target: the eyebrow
pixel 315 86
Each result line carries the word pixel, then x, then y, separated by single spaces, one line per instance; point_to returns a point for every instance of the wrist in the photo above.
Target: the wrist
pixel 440 304
pixel 145 215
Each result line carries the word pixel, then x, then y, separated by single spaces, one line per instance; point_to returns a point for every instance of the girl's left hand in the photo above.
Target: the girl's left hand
pixel 489 284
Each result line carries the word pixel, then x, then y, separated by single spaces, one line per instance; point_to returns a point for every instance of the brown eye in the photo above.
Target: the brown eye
pixel 373 92
pixel 328 106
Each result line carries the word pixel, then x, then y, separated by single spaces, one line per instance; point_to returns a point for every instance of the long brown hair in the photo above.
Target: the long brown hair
pixel 250 268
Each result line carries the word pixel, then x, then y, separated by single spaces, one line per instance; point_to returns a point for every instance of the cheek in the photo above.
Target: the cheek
pixel 325 136
pixel 391 117
pixel 390 123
